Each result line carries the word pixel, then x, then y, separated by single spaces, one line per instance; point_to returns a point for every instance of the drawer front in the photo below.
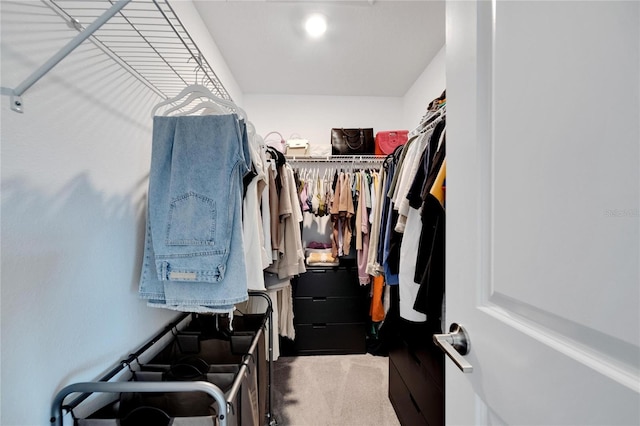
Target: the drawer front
pixel 403 402
pixel 330 339
pixel 427 393
pixel 312 310
pixel 432 361
pixel 427 362
pixel 338 282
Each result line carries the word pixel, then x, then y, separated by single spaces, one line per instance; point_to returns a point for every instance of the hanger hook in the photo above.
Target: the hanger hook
pixel 198 60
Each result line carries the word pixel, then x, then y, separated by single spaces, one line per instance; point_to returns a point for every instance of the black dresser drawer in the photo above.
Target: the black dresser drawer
pixel 403 402
pixel 312 310
pixel 418 369
pixel 425 362
pixel 330 313
pixel 328 282
pixel 330 339
pixel 431 360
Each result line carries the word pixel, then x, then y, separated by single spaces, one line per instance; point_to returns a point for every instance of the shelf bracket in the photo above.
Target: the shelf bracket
pixel 18 91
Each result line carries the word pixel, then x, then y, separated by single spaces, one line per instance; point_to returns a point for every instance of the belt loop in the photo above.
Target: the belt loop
pixel 164 271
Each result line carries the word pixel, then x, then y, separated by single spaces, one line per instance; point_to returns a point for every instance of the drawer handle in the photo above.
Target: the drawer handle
pixel 319 299
pixel 415 358
pixel 320 325
pixel 415 404
pixel 319 271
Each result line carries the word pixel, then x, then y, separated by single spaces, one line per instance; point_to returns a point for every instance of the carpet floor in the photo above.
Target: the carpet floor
pixel 332 390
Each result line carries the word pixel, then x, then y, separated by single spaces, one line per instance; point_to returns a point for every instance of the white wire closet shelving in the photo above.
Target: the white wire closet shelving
pixel 145 37
pixel 342 159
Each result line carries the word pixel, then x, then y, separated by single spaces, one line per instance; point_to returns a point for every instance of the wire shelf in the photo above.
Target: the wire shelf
pixel 147 39
pixel 344 159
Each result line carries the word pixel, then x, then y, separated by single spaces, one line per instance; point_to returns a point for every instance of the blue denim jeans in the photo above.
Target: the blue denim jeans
pixel 193 247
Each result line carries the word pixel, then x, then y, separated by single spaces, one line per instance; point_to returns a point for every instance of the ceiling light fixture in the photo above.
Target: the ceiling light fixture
pixel 315 25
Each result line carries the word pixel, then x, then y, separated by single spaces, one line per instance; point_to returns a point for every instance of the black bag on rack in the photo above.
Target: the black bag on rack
pixel 352 141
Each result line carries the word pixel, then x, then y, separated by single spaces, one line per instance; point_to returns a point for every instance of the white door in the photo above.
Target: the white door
pixel 543 211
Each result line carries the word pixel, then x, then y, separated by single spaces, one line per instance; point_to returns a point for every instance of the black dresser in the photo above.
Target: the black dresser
pixel 330 311
pixel 416 376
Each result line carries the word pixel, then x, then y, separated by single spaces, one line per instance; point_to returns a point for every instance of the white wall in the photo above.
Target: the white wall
pixel 74 181
pixel 312 117
pixel 427 87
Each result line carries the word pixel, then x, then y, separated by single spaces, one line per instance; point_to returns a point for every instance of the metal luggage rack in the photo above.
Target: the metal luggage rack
pixel 145 37
pixel 105 384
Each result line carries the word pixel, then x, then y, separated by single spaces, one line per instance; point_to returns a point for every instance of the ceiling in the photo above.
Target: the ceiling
pixel 371 48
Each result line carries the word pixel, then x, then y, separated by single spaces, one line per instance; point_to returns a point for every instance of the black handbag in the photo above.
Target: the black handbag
pixel 352 141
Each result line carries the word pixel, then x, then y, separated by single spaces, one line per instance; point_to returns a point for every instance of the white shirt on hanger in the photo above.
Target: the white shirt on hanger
pixel 408 289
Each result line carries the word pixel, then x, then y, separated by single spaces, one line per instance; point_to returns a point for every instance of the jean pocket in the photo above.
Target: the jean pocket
pixel 192 221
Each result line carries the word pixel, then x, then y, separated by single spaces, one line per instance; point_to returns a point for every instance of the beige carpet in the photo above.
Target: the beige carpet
pixel 332 390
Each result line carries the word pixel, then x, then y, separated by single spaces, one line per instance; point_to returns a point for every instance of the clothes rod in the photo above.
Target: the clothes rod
pixel 338 159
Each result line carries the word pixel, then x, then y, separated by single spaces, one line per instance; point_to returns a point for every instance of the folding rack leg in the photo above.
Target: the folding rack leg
pixel 271 420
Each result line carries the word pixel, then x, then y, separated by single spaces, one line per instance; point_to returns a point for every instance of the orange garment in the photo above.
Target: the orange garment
pixel 376 310
pixel 437 190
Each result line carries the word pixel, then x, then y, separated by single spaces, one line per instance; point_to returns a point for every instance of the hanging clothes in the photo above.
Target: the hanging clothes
pixel 390 240
pixel 412 181
pixel 362 229
pixel 373 263
pixel 352 196
pixel 408 254
pixel 289 260
pixel 252 224
pixel 430 263
pixel 342 211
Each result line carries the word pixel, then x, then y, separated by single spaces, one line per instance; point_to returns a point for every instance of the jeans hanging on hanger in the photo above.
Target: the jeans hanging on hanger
pixel 194 250
pixel 193 161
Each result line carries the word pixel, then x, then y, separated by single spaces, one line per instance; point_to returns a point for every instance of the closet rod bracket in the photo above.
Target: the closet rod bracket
pixel 15 101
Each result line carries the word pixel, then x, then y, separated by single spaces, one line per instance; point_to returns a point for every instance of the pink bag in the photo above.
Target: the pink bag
pixel 387 141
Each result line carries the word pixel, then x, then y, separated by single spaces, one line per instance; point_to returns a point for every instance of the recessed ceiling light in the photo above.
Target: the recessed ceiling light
pixel 316 25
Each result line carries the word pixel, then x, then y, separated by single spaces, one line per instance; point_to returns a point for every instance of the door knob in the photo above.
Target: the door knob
pixel 455 344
